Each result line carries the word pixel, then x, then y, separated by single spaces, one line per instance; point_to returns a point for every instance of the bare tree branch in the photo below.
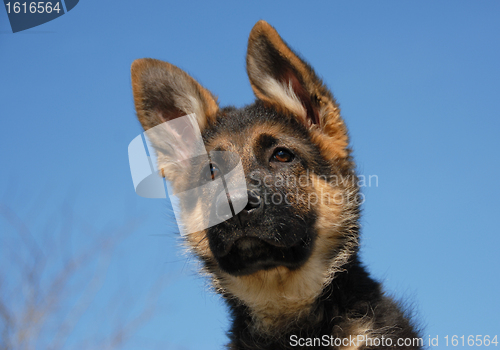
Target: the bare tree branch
pixel 46 288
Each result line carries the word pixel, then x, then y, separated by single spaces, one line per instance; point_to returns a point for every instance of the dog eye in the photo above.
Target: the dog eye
pixel 214 171
pixel 283 156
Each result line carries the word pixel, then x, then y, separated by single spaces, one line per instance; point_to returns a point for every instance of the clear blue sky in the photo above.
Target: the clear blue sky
pixel 418 83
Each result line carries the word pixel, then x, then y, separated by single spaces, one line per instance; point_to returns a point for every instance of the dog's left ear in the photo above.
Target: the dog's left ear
pixel 280 78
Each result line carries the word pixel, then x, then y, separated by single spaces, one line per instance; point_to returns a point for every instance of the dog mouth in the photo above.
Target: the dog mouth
pixel 250 254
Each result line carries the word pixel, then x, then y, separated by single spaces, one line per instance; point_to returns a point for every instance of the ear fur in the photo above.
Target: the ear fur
pixel 280 78
pixel 163 92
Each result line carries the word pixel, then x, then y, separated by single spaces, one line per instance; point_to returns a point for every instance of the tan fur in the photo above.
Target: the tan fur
pixel 358 327
pixel 332 136
pixel 197 239
pixel 198 242
pixel 331 218
pixel 190 97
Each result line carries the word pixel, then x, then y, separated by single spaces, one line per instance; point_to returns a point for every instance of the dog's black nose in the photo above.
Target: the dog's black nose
pixel 253 206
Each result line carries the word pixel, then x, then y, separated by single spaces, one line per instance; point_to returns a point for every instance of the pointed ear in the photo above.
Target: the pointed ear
pixel 163 92
pixel 280 78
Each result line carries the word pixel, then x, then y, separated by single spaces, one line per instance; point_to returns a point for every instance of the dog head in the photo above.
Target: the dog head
pixel 299 224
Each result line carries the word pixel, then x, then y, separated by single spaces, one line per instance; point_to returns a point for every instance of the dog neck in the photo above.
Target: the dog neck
pixel 277 298
pixel 271 322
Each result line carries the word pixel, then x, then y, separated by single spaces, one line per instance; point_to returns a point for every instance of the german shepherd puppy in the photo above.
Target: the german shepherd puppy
pixel 287 264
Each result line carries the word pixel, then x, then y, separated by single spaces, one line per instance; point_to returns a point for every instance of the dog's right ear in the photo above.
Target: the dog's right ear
pixel 163 92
